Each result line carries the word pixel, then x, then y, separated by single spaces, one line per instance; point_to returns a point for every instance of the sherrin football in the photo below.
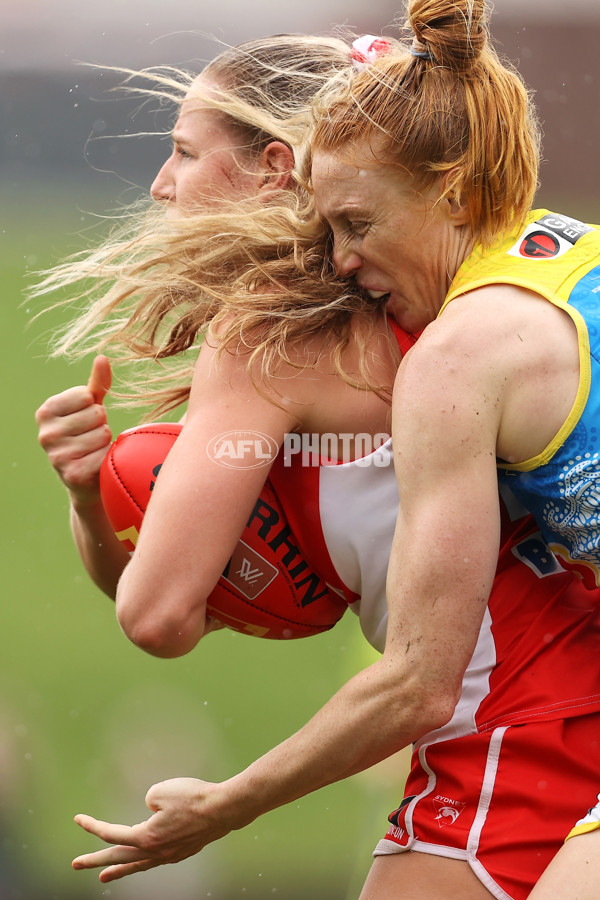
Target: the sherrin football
pixel 257 593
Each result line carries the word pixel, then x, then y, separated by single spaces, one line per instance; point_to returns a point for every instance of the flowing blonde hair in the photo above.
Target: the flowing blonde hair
pixel 256 273
pixel 445 106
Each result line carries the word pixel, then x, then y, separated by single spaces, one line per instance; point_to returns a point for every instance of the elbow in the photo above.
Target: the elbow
pixel 158 633
pixel 435 706
pixel 155 641
pixel 439 709
pixel 426 703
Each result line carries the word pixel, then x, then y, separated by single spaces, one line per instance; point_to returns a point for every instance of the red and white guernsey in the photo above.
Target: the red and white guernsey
pixel 540 623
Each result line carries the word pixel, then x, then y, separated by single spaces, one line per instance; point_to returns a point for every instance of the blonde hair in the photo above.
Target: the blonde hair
pixel 450 107
pixel 256 273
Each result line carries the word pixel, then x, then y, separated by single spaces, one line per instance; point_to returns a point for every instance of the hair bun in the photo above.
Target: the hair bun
pixel 454 32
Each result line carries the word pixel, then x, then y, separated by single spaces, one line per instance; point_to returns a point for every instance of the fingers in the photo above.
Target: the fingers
pixel 125 858
pixel 122 859
pixel 82 424
pixel 112 873
pixel 111 834
pixel 66 404
pixel 74 432
pixel 100 378
pixel 177 829
pixel 69 414
pixel 110 856
pixel 118 862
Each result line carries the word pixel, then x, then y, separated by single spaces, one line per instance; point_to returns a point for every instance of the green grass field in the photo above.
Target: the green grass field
pixel 89 722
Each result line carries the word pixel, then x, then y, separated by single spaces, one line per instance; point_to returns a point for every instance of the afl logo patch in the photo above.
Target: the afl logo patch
pixel 539 244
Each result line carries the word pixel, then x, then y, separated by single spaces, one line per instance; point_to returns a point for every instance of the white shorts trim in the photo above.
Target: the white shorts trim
pixel 386 847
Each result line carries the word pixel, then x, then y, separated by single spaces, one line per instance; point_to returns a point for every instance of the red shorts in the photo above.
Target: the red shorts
pixel 503 801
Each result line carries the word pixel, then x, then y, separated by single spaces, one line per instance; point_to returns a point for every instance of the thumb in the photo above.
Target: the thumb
pixel 100 378
pixel 153 797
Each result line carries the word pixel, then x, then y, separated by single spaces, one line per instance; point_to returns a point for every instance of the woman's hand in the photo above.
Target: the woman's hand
pixel 186 817
pixel 74 432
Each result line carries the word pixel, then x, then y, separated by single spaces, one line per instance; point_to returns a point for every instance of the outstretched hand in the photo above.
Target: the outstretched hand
pixel 185 819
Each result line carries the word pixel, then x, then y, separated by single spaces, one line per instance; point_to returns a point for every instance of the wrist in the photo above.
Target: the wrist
pixel 88 513
pixel 239 803
pixel 84 502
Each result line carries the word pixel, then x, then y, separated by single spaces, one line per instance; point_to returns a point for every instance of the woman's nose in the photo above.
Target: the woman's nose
pixel 163 186
pixel 346 262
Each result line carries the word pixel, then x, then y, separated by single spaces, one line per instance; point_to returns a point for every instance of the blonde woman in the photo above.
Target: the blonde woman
pixel 157 284
pixel 289 350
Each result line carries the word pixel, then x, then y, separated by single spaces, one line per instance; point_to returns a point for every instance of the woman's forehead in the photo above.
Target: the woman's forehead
pixel 341 184
pixel 194 121
pixel 200 93
pixel 347 166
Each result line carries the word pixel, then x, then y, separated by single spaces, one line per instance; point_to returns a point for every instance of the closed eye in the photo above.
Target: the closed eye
pixel 358 228
pixel 353 230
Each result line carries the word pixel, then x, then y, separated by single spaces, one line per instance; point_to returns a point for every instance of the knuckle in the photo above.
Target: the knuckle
pixel 154 844
pixel 44 440
pixel 52 448
pixel 40 414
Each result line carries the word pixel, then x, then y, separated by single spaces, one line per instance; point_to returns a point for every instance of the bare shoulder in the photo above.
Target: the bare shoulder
pixel 318 379
pixel 501 360
pixel 498 329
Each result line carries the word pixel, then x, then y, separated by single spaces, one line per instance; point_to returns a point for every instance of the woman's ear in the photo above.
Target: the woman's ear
pixel 275 164
pixel 459 214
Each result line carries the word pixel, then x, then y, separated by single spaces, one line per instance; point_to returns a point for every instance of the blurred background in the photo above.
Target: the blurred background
pixel 88 722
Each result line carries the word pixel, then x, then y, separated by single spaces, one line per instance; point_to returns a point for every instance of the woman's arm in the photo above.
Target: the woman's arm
pixel 380 710
pixel 574 873
pixel 199 508
pixel 74 432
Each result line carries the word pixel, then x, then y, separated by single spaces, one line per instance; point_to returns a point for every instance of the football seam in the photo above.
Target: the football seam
pixel 123 485
pixel 114 467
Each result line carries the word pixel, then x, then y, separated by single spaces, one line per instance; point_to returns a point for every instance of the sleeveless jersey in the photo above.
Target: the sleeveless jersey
pixel 559 259
pixel 539 624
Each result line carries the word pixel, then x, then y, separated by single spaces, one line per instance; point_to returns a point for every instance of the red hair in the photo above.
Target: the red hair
pixel 455 110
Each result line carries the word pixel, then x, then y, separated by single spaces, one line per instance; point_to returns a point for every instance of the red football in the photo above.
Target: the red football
pixel 257 593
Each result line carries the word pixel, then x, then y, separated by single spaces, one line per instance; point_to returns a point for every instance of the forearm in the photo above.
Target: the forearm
pixel 102 554
pixel 380 711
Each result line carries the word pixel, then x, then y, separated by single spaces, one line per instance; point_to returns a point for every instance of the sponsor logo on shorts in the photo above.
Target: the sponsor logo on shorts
pixel 446 810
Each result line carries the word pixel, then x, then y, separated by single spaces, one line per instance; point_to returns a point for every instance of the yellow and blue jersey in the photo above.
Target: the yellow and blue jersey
pixel 558 258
